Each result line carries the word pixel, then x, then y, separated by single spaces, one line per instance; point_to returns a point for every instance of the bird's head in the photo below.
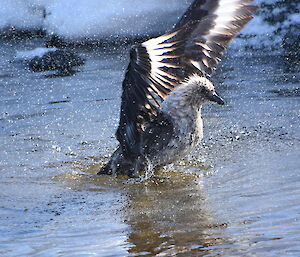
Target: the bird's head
pixel 202 91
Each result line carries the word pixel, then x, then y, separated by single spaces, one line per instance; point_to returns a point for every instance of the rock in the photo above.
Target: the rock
pixel 61 59
pixel 45 59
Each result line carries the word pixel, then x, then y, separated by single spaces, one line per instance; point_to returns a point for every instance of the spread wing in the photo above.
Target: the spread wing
pixel 157 66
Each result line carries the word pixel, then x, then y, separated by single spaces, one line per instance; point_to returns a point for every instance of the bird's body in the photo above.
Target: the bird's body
pixel 165 86
pixel 172 135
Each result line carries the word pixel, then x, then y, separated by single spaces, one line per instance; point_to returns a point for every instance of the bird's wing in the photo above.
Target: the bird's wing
pixel 158 65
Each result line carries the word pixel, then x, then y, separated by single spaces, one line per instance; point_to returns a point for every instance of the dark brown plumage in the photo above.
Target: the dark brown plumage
pixel 170 67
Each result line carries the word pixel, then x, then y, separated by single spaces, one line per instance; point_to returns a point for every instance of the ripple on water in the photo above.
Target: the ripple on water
pixel 237 194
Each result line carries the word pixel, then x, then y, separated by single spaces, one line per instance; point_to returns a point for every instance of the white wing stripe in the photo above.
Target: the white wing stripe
pixel 156 41
pixel 159 49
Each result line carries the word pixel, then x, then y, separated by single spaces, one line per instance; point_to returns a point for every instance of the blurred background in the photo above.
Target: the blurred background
pixel 276 23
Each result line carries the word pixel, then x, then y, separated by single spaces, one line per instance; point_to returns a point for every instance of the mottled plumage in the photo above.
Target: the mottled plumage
pixel 166 84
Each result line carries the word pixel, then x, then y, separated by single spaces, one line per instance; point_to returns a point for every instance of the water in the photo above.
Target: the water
pixel 238 194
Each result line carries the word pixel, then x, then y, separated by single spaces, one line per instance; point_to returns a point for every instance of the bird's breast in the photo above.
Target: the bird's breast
pixel 187 124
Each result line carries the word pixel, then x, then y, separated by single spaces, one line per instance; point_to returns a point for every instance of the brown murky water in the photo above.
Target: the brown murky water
pixel 237 195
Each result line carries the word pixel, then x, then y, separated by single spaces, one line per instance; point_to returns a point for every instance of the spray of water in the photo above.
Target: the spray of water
pixel 149 170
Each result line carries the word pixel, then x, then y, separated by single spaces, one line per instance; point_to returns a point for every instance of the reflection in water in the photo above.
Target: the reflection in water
pixel 167 214
pixel 170 215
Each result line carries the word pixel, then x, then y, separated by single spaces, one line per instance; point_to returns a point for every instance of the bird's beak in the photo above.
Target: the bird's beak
pixel 216 98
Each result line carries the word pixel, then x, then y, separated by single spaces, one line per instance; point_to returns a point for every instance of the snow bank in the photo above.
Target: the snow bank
pixel 92 19
pixel 114 18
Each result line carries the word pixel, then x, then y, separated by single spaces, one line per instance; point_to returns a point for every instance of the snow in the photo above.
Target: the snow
pixel 116 19
pixel 260 32
pixel 293 18
pixel 21 14
pixel 30 54
pixel 78 19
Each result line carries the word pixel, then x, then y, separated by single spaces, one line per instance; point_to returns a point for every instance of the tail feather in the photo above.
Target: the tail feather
pixel 105 170
pixel 118 165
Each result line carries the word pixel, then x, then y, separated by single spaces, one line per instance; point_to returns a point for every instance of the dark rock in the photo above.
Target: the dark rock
pixel 61 59
pixel 55 41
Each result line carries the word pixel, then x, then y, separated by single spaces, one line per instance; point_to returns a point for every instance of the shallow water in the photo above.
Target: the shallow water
pixel 238 194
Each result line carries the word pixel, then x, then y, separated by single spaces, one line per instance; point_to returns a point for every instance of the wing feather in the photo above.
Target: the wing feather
pixel 194 46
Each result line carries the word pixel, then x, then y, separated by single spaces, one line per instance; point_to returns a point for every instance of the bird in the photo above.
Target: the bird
pixel 167 82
